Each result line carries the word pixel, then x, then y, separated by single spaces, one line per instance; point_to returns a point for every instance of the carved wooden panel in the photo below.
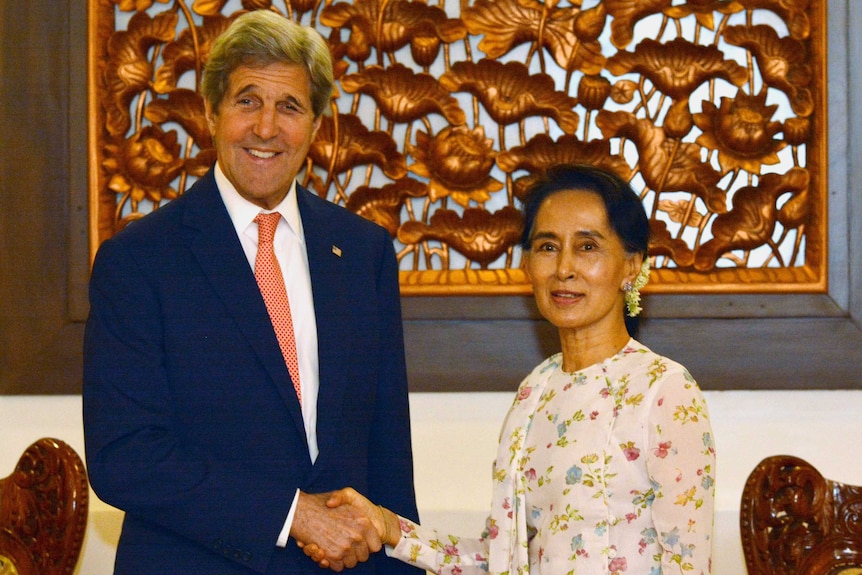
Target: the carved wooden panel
pixel 715 110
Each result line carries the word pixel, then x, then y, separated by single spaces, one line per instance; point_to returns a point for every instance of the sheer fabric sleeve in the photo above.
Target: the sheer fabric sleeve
pixel 439 553
pixel 681 464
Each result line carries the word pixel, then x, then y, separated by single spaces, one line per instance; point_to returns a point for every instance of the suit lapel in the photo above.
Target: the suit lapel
pixel 327 268
pixel 223 261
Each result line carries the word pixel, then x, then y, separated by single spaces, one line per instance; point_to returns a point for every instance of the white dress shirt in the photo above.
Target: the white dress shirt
pixel 289 246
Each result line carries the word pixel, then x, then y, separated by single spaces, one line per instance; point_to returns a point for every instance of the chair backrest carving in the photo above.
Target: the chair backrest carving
pixel 43 511
pixel 796 522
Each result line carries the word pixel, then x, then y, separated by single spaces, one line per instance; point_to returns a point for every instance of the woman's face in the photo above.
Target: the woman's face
pixel 577 264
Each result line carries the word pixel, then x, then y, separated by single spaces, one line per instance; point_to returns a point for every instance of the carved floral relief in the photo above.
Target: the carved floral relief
pixel 444 112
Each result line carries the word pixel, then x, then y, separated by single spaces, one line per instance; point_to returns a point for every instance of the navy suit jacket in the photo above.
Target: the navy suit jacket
pixel 191 423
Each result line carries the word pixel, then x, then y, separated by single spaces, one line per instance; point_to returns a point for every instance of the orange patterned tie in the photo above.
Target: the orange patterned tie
pixel 271 282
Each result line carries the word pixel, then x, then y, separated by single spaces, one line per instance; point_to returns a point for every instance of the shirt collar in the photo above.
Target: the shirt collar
pixel 242 212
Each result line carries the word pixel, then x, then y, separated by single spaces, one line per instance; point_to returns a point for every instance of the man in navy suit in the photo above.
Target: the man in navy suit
pixel 192 424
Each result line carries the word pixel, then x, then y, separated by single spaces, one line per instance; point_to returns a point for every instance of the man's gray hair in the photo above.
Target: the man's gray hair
pixel 261 38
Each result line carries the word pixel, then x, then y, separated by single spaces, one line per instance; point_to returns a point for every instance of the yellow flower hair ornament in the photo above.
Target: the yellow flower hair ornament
pixel 632 289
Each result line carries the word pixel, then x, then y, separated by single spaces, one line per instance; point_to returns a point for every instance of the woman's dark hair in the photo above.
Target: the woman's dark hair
pixel 625 210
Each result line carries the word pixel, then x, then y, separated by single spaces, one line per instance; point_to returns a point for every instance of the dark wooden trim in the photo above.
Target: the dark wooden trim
pixel 462 350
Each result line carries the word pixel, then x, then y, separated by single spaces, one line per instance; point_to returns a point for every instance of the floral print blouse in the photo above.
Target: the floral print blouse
pixel 608 470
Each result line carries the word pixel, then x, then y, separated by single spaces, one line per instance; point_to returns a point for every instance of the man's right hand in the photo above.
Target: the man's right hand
pixel 343 535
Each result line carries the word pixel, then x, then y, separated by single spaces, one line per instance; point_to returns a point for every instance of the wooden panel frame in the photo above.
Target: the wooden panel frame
pixel 741 199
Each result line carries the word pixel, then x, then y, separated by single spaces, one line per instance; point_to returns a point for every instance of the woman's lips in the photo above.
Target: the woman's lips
pixel 566 296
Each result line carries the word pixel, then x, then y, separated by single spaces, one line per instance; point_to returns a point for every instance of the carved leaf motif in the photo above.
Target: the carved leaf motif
pixel 677 67
pixel 676 210
pixel 751 221
pixel 509 23
pixel 185 107
pixel 793 12
pixel 782 63
pixel 666 165
pixel 208 7
pixel 627 13
pixel 541 152
pixel 383 205
pixel 478 235
pixel 360 18
pixel 294 6
pixel 428 26
pixel 796 210
pixel 590 24
pixel 181 55
pixel 128 76
pixel 201 163
pixel 797 131
pixel 127 71
pixel 510 93
pixel 661 243
pixel 703 10
pixel 139 5
pixel 392 30
pixel 404 96
pixel 355 145
pixel 363 16
pixel 267 4
pixel 416 15
pixel 678 121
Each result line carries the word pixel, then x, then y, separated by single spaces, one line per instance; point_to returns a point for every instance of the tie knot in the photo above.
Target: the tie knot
pixel 266 224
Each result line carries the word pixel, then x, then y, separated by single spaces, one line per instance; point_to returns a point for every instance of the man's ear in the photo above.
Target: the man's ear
pixel 210 116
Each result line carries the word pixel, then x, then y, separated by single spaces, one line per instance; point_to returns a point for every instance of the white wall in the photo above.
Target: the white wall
pixel 455 435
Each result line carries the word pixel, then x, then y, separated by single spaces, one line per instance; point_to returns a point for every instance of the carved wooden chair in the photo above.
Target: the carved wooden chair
pixel 43 511
pixel 796 522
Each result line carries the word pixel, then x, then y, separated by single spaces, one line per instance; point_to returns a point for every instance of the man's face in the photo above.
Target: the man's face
pixel 263 129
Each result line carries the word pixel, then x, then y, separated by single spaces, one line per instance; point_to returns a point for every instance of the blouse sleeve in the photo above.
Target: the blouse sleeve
pixel 681 466
pixel 441 554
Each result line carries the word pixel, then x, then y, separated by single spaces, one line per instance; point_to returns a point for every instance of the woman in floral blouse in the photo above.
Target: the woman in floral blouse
pixel 606 461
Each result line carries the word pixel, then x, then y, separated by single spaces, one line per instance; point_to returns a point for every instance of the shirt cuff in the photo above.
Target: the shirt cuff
pixel 288 523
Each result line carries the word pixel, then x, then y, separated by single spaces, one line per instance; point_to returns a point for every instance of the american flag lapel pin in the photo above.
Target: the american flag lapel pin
pixel 336 250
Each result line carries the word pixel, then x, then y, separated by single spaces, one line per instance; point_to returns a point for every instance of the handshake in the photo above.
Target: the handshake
pixel 342 528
